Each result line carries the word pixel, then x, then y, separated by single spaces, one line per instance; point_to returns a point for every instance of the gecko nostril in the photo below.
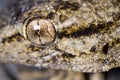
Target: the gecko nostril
pixel 105 48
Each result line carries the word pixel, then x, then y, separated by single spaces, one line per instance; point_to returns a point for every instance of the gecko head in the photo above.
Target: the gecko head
pixel 84 39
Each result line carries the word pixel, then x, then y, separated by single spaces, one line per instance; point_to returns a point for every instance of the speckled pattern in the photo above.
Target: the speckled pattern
pixel 87 34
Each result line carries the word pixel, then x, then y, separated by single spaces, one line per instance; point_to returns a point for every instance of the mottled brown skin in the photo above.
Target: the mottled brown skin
pixel 87 35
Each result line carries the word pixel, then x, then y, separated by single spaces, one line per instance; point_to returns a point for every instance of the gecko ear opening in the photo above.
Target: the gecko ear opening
pixel 39 31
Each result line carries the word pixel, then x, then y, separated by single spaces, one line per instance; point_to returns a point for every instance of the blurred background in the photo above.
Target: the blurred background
pixel 5 3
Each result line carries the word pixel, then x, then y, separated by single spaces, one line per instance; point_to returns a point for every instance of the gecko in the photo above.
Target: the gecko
pixel 82 36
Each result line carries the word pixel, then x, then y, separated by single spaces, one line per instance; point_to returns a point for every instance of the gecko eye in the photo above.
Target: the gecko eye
pixel 39 31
